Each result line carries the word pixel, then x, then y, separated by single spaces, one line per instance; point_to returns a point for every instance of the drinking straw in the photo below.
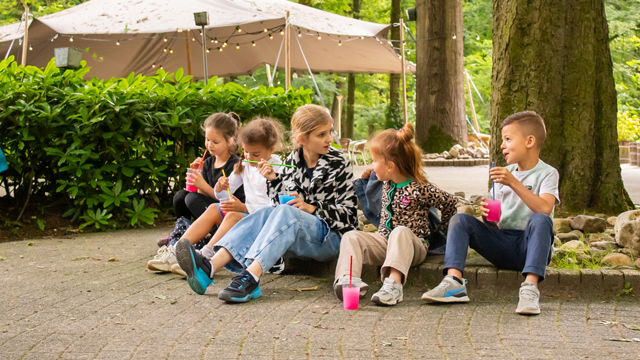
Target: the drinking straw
pixel 202 162
pixel 228 192
pixel 493 184
pixel 350 269
pixel 256 162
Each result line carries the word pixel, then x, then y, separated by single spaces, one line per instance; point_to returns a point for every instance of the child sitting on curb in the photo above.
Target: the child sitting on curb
pixel 522 241
pixel 401 240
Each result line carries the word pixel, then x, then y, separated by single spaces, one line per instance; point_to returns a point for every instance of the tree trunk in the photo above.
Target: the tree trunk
pixel 394 118
pixel 440 114
pixel 347 124
pixel 334 107
pixel 553 57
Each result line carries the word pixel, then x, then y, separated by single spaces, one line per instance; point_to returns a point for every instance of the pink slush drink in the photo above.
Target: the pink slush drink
pixel 350 297
pixel 192 188
pixel 494 210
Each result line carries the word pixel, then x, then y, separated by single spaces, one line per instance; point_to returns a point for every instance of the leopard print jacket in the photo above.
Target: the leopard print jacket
pixel 330 190
pixel 408 206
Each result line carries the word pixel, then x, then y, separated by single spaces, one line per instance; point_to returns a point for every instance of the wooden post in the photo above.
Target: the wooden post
pixel 404 78
pixel 338 124
pixel 287 51
pixel 473 108
pixel 204 55
pixel 188 55
pixel 25 45
pixel 269 79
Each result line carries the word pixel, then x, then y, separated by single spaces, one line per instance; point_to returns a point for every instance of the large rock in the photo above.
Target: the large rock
pixel 561 226
pixel 578 233
pixel 599 237
pixel 616 259
pixel 637 263
pixel 446 155
pixel 604 245
pixel 612 220
pixel 589 224
pixel 455 151
pixel 573 245
pixel 627 229
pixel 567 237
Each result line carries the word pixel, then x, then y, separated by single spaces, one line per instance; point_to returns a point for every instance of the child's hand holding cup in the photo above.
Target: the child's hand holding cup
pixel 490 208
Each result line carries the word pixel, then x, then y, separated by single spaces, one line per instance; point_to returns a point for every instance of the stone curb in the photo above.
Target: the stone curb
pixel 455 162
pixel 602 282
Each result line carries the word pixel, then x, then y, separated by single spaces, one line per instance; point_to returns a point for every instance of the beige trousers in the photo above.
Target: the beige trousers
pixel 402 251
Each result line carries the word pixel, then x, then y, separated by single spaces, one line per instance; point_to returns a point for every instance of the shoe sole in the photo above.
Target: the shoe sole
pixel 450 299
pixel 231 299
pixel 188 265
pixel 160 269
pixel 337 289
pixel 376 300
pixel 174 270
pixel 528 311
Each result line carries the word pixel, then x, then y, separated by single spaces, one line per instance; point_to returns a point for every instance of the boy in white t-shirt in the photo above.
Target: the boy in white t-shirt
pixel 523 239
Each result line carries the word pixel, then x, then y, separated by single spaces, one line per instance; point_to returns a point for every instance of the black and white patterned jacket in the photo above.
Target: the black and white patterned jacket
pixel 330 190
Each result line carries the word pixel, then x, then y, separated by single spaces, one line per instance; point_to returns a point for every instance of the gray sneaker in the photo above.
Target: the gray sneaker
pixel 337 286
pixel 389 294
pixel 448 291
pixel 529 303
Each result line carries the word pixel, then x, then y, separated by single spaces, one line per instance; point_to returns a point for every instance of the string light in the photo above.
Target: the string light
pixel 361 37
pixel 340 43
pixel 265 30
pixel 270 36
pixel 319 37
pixel 179 30
pixel 225 44
pixel 238 46
pixel 281 32
pixel 30 47
pixel 477 37
pixel 161 68
pixel 165 49
pixel 454 36
pixel 193 39
pixel 253 43
pixel 299 34
pixel 153 65
pixel 165 39
pixel 215 40
pixel 118 42
pixel 71 39
pixel 170 51
pixel 208 50
pixel 238 28
pixel 220 49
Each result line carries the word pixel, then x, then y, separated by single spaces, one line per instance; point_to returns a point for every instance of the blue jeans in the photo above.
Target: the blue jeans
pixel 528 251
pixel 267 234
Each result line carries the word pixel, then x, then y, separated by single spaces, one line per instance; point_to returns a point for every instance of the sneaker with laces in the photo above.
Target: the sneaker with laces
pixel 196 266
pixel 529 303
pixel 243 288
pixel 337 286
pixel 448 291
pixel 176 269
pixel 277 268
pixel 163 260
pixel 389 294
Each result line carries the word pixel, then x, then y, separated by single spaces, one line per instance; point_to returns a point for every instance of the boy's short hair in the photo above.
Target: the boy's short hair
pixel 530 124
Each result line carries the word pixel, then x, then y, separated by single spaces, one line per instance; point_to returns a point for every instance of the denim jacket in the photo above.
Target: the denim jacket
pixel 369 192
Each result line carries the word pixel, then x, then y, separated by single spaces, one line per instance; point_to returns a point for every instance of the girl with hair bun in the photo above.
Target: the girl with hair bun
pixel 402 237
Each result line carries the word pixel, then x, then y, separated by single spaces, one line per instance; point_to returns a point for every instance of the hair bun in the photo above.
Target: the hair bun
pixel 235 116
pixel 406 133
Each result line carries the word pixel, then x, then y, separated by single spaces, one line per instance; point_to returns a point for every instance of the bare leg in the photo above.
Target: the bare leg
pixel 229 220
pixel 255 268
pixel 396 275
pixel 532 278
pixel 201 227
pixel 454 272
pixel 220 259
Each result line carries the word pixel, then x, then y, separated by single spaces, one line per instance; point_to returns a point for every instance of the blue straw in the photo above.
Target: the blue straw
pixel 493 184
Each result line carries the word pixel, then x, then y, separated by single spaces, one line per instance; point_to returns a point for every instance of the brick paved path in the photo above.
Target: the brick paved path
pixel 63 299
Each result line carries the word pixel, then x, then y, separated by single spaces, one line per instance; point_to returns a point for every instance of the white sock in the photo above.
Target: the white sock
pixel 253 275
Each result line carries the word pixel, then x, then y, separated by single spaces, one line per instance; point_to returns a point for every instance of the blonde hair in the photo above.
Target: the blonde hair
pixel 306 119
pixel 398 146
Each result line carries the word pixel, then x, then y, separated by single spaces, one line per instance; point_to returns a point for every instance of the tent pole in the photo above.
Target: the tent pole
pixel 188 55
pixel 473 108
pixel 204 55
pixel 404 77
pixel 25 44
pixel 269 80
pixel 287 51
pixel 338 124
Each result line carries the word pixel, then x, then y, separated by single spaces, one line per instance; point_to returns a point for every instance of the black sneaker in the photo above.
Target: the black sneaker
pixel 278 268
pixel 197 267
pixel 243 288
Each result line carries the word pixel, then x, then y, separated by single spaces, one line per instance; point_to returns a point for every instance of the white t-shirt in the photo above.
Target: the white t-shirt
pixel 542 179
pixel 255 185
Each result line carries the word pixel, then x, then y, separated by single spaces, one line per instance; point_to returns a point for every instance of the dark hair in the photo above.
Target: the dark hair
pixel 530 123
pixel 261 131
pixel 227 125
pixel 398 146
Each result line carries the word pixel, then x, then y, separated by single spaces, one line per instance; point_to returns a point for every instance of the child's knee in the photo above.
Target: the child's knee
pixel 233 216
pixel 461 220
pixel 349 239
pixel 540 221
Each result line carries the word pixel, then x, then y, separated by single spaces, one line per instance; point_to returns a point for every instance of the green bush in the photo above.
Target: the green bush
pixel 106 145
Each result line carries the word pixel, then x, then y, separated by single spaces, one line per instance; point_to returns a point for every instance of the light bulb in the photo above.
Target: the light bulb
pixel 253 43
pixel 170 51
pixel 208 50
pixel 71 39
pixel 237 46
pixel 239 30
pixel 165 49
pixel 477 37
pixel 215 40
pixel 30 47
pixel 281 32
pixel 179 30
pixel 220 49
pixel 361 37
pixel 165 39
pixel 270 36
pixel 265 30
pixel 193 39
pixel 153 65
pixel 319 37
pixel 225 44
pixel 454 36
pixel 340 43
pixel 118 42
pixel 299 34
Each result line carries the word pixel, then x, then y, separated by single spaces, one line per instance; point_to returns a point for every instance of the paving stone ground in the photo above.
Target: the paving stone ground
pixel 62 299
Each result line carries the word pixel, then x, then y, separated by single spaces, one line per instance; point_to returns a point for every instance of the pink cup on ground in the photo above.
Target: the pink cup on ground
pixel 350 296
pixel 494 210
pixel 192 188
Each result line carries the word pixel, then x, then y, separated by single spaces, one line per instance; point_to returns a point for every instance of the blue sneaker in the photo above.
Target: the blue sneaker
pixel 448 291
pixel 243 288
pixel 197 267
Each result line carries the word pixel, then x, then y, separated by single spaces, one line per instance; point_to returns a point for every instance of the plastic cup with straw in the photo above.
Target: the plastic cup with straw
pixel 350 294
pixel 192 188
pixel 493 204
pixel 228 192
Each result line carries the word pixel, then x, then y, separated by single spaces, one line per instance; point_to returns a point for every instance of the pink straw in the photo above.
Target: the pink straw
pixel 350 269
pixel 202 162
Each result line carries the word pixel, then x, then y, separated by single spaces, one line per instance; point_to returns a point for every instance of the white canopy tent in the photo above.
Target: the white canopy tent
pixel 142 36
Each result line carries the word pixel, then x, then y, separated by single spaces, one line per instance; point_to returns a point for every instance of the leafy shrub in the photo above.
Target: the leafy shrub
pixel 100 143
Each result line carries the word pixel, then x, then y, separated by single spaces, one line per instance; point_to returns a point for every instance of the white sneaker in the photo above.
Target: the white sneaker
pixel 163 260
pixel 176 269
pixel 389 294
pixel 529 303
pixel 337 286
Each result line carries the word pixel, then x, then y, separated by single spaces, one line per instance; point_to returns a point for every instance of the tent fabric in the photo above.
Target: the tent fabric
pixel 142 36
